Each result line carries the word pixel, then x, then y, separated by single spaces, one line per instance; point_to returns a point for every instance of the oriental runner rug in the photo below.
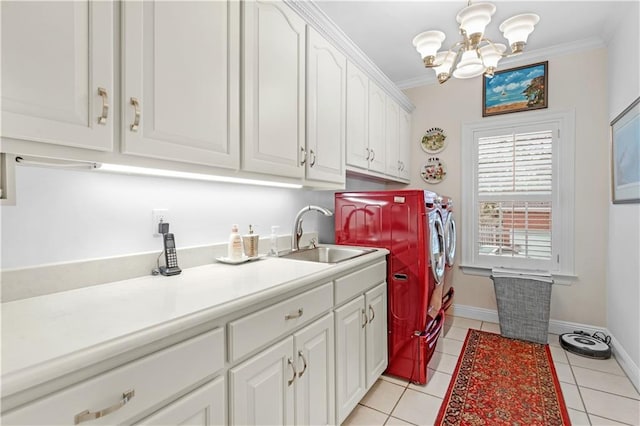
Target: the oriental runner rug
pixel 502 381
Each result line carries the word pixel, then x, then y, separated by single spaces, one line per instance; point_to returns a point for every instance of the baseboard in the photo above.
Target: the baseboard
pixel 559 327
pixel 626 363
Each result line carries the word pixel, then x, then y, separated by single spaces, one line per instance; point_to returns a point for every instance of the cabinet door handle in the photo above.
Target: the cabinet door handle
pixel 373 314
pixel 303 153
pixel 88 415
pixel 373 155
pixel 105 105
pixel 295 373
pixel 313 158
pixel 304 361
pixel 364 316
pixel 136 118
pixel 297 314
pixel 368 154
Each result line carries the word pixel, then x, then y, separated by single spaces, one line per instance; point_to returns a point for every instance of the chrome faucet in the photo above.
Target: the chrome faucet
pixel 296 234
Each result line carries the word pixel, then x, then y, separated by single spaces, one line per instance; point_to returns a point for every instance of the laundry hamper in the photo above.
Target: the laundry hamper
pixel 523 299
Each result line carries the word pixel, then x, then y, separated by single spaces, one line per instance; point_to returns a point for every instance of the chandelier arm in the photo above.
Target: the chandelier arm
pixel 458 44
pixel 492 44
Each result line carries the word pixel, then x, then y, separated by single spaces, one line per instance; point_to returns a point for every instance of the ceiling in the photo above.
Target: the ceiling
pixel 384 30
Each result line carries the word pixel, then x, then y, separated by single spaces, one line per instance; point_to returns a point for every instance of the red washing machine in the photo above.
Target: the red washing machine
pixel 446 210
pixel 409 225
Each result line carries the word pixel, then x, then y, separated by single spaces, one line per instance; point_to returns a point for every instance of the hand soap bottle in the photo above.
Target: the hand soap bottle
pixel 273 241
pixel 235 245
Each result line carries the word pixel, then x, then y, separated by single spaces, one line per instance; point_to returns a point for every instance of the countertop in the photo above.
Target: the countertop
pixel 48 336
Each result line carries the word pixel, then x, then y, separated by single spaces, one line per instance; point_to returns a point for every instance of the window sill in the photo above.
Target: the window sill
pixel 482 271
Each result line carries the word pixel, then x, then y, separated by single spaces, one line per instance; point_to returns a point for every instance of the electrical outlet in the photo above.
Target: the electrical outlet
pixel 157 216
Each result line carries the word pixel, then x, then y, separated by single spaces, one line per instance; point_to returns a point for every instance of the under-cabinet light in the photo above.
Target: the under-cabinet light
pixel 187 175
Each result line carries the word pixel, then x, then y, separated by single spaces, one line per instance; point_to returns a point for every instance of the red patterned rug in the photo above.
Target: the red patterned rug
pixel 501 381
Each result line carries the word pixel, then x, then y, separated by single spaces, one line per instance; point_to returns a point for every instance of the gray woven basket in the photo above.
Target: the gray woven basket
pixel 523 308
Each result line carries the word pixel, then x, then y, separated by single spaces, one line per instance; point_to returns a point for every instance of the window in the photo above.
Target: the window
pixel 518 193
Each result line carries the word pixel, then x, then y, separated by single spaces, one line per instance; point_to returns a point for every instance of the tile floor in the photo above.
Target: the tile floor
pixel 596 392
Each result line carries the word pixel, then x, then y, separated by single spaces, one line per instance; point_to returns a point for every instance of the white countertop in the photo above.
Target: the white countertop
pixel 46 337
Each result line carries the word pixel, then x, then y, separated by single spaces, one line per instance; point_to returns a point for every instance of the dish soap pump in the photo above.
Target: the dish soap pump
pixel 235 244
pixel 273 246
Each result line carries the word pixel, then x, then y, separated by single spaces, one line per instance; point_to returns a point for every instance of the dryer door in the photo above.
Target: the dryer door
pixel 450 239
pixel 436 247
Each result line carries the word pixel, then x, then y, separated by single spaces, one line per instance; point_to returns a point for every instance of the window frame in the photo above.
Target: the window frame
pixel 563 203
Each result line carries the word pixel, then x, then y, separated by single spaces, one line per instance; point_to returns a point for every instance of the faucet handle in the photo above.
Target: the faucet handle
pixel 313 243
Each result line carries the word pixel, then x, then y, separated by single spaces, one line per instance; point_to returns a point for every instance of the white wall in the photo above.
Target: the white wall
pixel 623 275
pixel 65 215
pixel 576 81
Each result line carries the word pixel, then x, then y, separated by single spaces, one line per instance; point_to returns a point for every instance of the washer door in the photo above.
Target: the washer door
pixel 450 239
pixel 436 247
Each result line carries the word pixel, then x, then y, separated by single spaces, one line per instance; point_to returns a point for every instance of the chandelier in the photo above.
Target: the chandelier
pixel 474 55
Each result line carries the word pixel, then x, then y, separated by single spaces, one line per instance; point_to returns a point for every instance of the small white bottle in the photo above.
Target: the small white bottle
pixel 273 241
pixel 235 244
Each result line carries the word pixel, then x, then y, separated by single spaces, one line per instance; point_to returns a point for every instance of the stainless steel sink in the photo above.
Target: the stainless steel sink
pixel 326 254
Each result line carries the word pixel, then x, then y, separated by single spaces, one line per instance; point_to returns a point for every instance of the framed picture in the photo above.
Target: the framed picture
pixel 516 89
pixel 625 155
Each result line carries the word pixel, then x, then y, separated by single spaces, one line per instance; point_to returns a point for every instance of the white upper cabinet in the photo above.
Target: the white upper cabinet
pixel 377 136
pixel 404 145
pixel 274 89
pixel 326 108
pixel 181 81
pixel 392 121
pixel 57 72
pixel 357 117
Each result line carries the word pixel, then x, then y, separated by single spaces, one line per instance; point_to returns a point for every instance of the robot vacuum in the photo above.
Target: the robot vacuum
pixel 580 343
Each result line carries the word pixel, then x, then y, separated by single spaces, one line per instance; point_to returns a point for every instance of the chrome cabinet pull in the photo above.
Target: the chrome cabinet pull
pixel 304 155
pixel 294 315
pixel 373 314
pixel 373 155
pixel 295 373
pixel 105 105
pixel 88 415
pixel 304 361
pixel 368 154
pixel 364 316
pixel 313 158
pixel 136 118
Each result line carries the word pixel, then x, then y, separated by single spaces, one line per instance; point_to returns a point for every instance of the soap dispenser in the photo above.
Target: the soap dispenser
pixel 273 241
pixel 235 245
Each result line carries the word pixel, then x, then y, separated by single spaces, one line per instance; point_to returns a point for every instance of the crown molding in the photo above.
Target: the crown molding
pixel 537 55
pixel 315 17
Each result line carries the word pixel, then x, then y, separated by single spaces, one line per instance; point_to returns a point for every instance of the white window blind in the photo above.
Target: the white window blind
pixel 517 189
pixel 514 176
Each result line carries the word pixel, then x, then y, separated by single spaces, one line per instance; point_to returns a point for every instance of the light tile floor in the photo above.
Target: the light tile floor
pixel 596 392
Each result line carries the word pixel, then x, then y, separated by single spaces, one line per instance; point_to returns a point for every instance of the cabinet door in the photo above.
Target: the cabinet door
pixel 274 89
pixel 204 406
pixel 262 389
pixel 181 81
pixel 377 136
pixel 404 144
pixel 350 356
pixel 56 56
pixel 376 334
pixel 357 117
pixel 392 129
pixel 326 102
pixel 314 351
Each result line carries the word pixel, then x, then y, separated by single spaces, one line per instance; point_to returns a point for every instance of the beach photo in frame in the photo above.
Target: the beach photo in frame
pixel 516 89
pixel 625 155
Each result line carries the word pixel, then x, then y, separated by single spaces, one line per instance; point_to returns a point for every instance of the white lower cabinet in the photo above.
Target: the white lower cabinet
pixel 291 382
pixel 361 346
pixel 127 392
pixel 314 387
pixel 204 406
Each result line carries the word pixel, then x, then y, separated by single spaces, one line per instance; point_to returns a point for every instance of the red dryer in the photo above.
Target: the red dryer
pixel 409 225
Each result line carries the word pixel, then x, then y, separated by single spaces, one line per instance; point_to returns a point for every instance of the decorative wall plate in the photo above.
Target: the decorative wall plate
pixel 433 171
pixel 433 140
